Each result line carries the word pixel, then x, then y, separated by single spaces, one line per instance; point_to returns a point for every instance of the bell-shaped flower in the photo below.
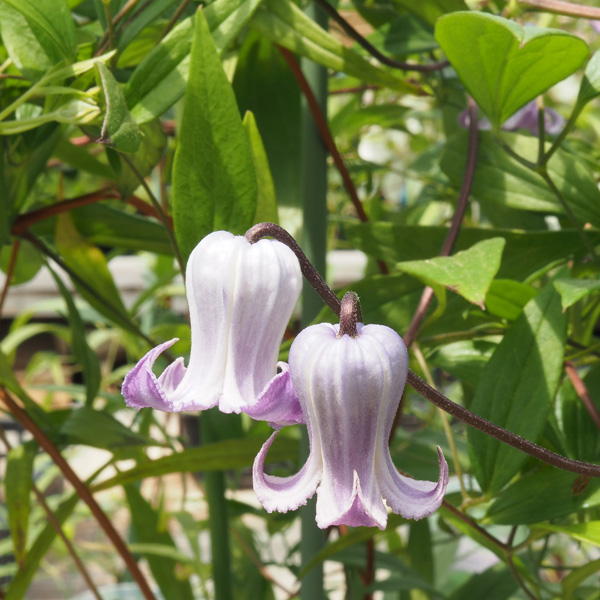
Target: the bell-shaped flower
pixel 349 388
pixel 241 297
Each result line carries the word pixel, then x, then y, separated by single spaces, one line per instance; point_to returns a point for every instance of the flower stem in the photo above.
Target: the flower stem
pixel 218 520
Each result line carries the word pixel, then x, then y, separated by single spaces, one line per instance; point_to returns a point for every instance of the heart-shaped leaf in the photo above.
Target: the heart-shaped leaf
pixel 504 65
pixel 468 273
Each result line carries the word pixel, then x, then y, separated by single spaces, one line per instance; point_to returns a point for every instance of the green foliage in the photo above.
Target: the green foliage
pixel 130 130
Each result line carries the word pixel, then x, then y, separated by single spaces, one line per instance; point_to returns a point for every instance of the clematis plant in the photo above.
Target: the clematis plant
pixel 241 297
pixel 349 379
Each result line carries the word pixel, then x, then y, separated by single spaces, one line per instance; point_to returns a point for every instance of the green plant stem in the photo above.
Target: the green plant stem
pixel 314 243
pixel 218 521
pixel 161 213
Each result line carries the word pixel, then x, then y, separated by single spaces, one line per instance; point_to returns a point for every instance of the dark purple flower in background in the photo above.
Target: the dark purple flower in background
pixel 524 118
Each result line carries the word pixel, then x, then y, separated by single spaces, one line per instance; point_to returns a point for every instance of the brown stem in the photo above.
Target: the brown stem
pixel 582 391
pixel 466 519
pixel 321 123
pixel 513 568
pixel 459 213
pixel 9 272
pixel 353 90
pixel 369 574
pixel 27 220
pixel 508 437
pixel 564 8
pixel 262 230
pixel 82 490
pixel 174 18
pixel 382 58
pixel 350 315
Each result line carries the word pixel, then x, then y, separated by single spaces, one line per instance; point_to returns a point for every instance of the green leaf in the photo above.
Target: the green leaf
pixel 504 65
pixel 214 181
pixel 525 253
pixel 93 279
pixel 219 456
pixel 83 354
pixel 275 104
pixel 572 290
pixel 464 360
pixel 282 22
pixel 99 429
pixel 496 583
pixel 160 79
pixel 468 273
pixel 576 577
pixel 584 532
pixel 579 430
pixel 590 84
pixel 21 581
pixel 402 36
pixel 17 488
pixel 266 203
pixel 545 494
pixel 45 24
pixel 119 129
pixel 430 10
pixel 27 265
pixel 517 387
pixel 499 178
pixel 506 298
pixel 147 528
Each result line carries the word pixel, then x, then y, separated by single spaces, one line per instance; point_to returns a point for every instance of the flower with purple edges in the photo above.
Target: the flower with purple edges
pixel 241 297
pixel 349 387
pixel 525 118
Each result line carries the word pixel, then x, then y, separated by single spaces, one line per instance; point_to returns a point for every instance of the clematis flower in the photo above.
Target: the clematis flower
pixel 349 387
pixel 241 297
pixel 525 118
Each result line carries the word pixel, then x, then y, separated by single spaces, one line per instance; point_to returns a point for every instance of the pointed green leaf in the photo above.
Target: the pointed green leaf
pixel 17 485
pixel 517 387
pixel 504 65
pixel 468 273
pixel 214 181
pixel 496 583
pixel 572 290
pixel 266 203
pixel 119 129
pixel 160 79
pixel 28 262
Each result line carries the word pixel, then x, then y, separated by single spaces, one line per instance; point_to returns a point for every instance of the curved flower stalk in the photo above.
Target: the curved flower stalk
pixel 349 387
pixel 241 297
